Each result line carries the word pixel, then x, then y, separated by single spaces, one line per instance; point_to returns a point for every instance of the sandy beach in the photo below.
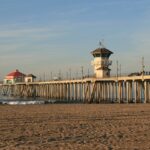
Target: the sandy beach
pixel 75 127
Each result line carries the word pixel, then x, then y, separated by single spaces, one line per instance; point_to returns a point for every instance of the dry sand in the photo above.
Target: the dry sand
pixel 75 126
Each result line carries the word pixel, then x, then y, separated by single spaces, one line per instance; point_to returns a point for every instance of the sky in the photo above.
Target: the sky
pixel 44 36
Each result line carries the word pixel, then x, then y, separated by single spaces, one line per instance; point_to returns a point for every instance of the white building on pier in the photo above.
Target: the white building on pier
pixel 18 77
pixel 101 62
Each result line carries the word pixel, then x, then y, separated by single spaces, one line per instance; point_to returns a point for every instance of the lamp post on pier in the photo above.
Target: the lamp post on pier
pixel 70 73
pixel 82 71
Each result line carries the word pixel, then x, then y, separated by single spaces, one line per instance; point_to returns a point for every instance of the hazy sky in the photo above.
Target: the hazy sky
pixel 44 36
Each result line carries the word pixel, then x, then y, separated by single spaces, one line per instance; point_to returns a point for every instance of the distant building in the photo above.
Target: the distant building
pixel 30 78
pixel 17 77
pixel 101 62
pixel 14 77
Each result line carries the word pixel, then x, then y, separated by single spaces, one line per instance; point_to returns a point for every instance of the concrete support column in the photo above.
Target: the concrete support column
pixel 127 91
pixel 111 91
pixel 58 90
pixel 83 92
pixel 56 94
pixel 108 92
pixel 105 92
pixel 78 91
pixel 145 92
pixel 62 91
pixel 74 91
pixel 93 92
pixel 138 91
pixel 135 91
pixel 47 91
pixel 122 91
pixel 65 91
pixel 50 88
pixel 89 91
pixel 119 92
pixel 71 92
pixel 102 92
pixel 115 91
pixel 68 91
pixel 44 91
pixel 148 91
pixel 98 92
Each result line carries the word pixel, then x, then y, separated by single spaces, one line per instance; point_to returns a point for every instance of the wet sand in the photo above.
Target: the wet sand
pixel 75 126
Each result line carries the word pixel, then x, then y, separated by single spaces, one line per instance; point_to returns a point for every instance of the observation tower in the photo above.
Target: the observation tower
pixel 101 62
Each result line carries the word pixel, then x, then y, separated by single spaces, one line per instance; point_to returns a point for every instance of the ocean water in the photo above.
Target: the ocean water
pixel 23 101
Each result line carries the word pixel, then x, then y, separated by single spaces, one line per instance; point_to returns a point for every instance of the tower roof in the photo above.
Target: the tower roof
pixel 101 51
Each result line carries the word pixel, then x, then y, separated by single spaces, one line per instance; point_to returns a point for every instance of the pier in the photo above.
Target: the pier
pixel 102 88
pixel 134 89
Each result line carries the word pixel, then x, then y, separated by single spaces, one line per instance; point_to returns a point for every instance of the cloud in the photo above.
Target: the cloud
pixel 32 32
